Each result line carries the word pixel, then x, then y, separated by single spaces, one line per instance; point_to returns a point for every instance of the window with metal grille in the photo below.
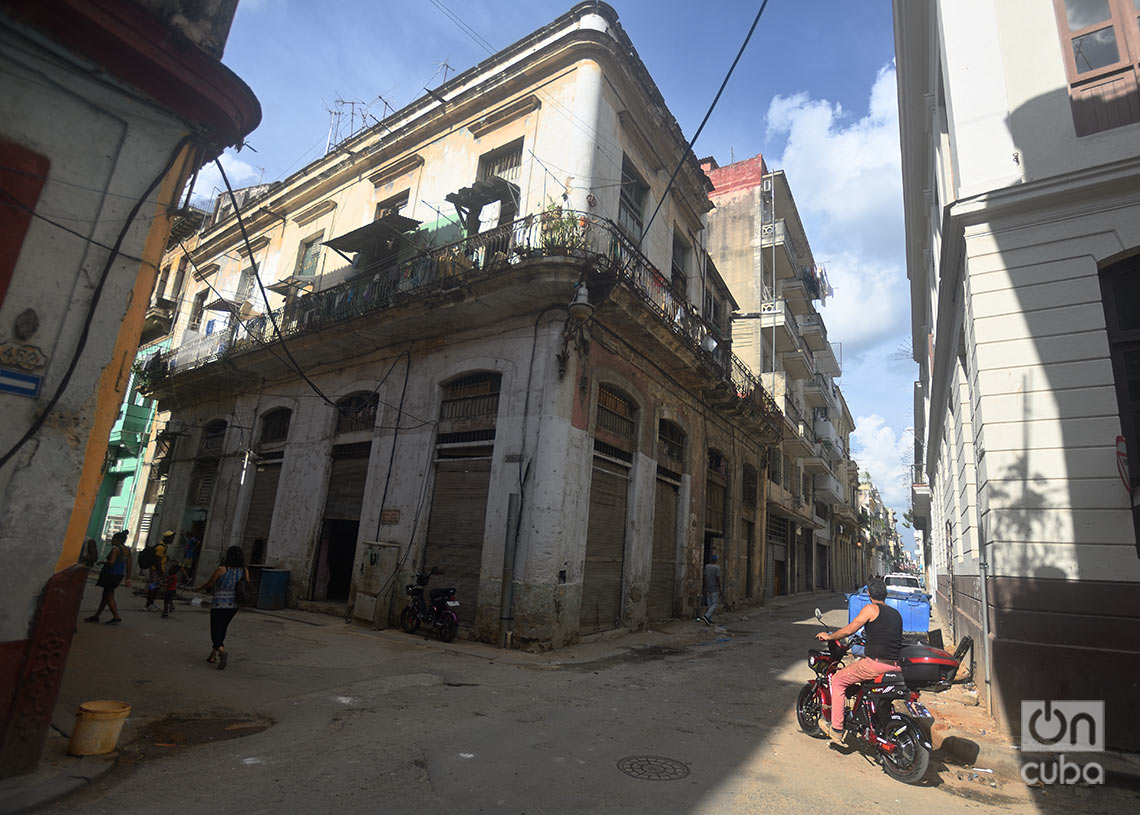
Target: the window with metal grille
pixel 466 437
pixel 631 202
pixel 357 411
pixel 213 435
pixel 615 413
pixel 309 256
pixel 275 426
pixel 749 486
pixel 610 450
pixel 670 440
pixel 160 289
pixel 503 162
pixel 113 524
pixel 471 397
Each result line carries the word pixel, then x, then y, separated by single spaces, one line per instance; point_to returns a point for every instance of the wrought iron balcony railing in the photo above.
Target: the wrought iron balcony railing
pixel 554 233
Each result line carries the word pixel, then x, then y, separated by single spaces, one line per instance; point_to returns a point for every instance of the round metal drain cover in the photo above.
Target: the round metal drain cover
pixel 653 768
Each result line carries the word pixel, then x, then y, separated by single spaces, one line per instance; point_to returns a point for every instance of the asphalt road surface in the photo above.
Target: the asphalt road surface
pixel 316 716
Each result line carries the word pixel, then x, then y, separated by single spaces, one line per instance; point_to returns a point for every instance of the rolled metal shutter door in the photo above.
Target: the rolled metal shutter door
pixel 663 573
pixel 455 530
pixel 261 503
pixel 605 549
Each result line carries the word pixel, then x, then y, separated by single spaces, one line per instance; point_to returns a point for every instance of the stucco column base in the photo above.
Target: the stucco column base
pixel 29 701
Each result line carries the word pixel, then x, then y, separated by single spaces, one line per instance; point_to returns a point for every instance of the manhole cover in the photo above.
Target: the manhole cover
pixel 653 768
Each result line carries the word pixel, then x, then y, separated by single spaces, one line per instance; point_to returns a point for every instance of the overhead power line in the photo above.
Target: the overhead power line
pixel 704 121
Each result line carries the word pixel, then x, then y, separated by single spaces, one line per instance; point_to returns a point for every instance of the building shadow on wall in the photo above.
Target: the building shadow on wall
pixel 1063 624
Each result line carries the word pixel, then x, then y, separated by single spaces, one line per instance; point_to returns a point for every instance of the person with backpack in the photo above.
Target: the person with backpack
pixel 153 558
pixel 230 582
pixel 116 566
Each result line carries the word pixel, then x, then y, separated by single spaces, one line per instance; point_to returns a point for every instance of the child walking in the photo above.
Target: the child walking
pixel 170 588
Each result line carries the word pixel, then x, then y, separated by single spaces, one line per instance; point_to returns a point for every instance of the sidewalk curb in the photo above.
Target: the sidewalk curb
pixel 38 789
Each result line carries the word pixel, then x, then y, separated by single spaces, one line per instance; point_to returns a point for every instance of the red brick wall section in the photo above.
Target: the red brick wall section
pixel 742 175
pixel 32 699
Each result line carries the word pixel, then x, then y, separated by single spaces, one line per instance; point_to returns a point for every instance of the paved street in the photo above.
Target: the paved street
pixel 387 722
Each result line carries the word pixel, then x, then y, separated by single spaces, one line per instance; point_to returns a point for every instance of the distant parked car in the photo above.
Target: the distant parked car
pixel 903 584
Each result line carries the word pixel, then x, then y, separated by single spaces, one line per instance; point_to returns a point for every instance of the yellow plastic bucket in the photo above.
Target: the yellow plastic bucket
pixel 97 727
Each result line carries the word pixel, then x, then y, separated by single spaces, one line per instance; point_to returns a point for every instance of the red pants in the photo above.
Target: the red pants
pixel 861 671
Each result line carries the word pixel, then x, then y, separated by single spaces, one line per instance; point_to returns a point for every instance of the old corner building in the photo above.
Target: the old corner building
pixel 1021 165
pixel 471 359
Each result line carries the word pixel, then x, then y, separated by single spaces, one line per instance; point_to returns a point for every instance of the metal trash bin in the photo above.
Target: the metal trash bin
pixel 274 589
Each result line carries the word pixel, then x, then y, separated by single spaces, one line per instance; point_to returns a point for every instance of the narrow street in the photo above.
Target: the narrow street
pixel 387 722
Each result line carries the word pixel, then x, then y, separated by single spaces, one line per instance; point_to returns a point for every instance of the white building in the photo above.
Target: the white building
pixel 1020 130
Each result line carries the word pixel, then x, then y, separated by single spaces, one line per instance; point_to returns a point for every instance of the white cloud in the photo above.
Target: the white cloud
pixel 240 174
pixel 845 174
pixel 884 454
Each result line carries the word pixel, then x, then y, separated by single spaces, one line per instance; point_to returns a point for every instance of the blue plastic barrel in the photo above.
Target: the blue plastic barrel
pixel 274 589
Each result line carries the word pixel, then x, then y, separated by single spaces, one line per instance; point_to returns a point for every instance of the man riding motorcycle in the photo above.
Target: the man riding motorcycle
pixel 883 628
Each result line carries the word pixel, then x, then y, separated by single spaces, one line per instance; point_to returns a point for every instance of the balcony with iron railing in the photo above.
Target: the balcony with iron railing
pixel 493 261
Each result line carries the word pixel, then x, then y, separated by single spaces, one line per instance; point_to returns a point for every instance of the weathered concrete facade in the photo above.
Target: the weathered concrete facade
pixel 106 112
pixel 557 464
pixel 1020 171
pixel 759 245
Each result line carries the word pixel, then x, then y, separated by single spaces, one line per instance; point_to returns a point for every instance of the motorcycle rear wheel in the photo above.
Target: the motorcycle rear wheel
pixel 911 757
pixel 448 627
pixel 808 710
pixel 409 620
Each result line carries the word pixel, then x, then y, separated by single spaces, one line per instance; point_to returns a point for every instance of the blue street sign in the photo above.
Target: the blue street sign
pixel 20 384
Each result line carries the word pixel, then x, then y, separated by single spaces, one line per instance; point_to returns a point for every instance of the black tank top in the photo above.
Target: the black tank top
pixel 884 635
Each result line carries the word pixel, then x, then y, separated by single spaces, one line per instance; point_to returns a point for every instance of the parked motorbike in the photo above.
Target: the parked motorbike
pixel 439 612
pixel 899 737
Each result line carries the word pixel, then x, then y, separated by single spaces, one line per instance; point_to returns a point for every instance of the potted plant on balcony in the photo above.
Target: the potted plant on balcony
pixel 562 231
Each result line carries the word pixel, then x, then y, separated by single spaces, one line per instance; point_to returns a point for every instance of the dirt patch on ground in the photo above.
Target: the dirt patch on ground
pixel 177 731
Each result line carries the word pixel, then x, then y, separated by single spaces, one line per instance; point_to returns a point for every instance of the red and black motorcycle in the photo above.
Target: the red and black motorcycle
pixel 899 737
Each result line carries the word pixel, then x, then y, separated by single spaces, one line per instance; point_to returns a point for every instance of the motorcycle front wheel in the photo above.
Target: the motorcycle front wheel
pixel 409 620
pixel 808 710
pixel 910 758
pixel 448 627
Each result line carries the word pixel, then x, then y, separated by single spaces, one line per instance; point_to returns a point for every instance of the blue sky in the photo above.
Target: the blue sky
pixel 815 93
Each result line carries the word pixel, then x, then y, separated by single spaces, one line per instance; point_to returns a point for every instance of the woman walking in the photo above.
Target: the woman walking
pixel 116 566
pixel 224 581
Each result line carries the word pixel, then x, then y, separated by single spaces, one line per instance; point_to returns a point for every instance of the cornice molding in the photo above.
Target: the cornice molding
pixel 307 216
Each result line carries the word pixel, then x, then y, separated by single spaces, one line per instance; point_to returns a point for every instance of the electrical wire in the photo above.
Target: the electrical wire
pixel 264 294
pixel 704 121
pixel 96 294
pixel 17 204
